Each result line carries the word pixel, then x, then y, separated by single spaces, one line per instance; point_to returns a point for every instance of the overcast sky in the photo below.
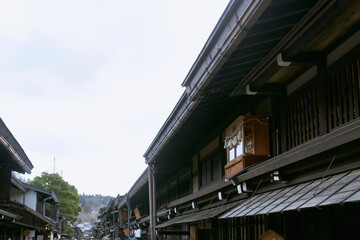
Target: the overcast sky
pixel 92 82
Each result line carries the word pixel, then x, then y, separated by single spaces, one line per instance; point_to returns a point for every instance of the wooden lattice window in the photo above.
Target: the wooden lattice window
pixel 303 117
pixel 343 87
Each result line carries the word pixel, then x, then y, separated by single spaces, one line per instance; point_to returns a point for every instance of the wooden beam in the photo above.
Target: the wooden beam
pixel 318 24
pixel 301 59
pixel 213 188
pixel 172 232
pixel 323 123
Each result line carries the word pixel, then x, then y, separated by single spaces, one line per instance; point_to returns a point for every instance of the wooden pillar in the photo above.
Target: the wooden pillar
pixel 322 97
pixel 283 134
pixel 5 182
pixel 194 233
pixel 121 216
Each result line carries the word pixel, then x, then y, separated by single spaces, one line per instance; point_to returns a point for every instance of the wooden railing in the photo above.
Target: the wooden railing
pixel 303 118
pixel 343 87
pixel 341 90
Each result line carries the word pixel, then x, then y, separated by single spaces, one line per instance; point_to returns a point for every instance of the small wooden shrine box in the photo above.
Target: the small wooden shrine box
pixel 271 235
pixel 246 143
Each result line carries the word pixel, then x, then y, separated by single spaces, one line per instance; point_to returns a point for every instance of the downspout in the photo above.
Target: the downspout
pixel 151 202
pixel 128 211
pixel 57 213
pixel 44 201
pixel 154 199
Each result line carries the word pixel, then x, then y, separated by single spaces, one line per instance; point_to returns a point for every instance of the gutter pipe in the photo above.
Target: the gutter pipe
pixel 152 205
pixel 16 156
pixel 44 201
pixel 223 43
pixel 175 121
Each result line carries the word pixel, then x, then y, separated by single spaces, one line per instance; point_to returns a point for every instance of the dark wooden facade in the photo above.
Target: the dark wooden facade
pixel 126 213
pixel 17 218
pixel 294 62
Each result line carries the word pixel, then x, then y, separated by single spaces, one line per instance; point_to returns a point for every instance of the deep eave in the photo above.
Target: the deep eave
pixel 209 101
pixel 231 29
pixel 8 141
pixel 233 25
pixel 139 183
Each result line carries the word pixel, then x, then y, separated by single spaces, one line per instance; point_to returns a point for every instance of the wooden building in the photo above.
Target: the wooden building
pixel 25 211
pixel 267 133
pixel 127 213
pixel 107 220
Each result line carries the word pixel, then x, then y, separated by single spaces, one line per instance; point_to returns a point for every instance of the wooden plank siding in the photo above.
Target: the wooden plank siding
pixel 240 228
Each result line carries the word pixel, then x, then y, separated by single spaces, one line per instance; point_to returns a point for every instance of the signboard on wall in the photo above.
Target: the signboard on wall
pixel 137 213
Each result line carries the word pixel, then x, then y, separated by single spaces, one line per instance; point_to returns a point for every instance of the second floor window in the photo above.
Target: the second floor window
pixel 236 148
pixel 211 168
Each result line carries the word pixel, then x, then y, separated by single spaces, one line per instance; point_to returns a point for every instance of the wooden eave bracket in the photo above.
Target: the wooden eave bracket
pixel 266 89
pixel 303 59
pixel 283 59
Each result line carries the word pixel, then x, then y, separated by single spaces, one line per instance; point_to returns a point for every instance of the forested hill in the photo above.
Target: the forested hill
pixel 90 203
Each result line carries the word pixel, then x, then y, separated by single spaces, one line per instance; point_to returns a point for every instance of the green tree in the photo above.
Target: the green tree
pixel 66 193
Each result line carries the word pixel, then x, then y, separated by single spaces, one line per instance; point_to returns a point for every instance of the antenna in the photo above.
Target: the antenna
pixel 54 166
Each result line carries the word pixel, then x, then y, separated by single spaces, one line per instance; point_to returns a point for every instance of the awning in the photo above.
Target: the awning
pixel 199 215
pixel 337 189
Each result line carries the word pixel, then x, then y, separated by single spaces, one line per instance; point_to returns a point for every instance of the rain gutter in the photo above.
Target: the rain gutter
pixel 237 19
pixel 15 155
pixel 14 148
pixel 122 201
pixel 181 112
pixel 141 181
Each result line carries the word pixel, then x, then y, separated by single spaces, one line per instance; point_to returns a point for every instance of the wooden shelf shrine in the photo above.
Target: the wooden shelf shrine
pixel 246 143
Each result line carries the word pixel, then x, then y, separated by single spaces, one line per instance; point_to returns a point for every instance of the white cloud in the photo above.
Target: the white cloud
pixel 91 82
